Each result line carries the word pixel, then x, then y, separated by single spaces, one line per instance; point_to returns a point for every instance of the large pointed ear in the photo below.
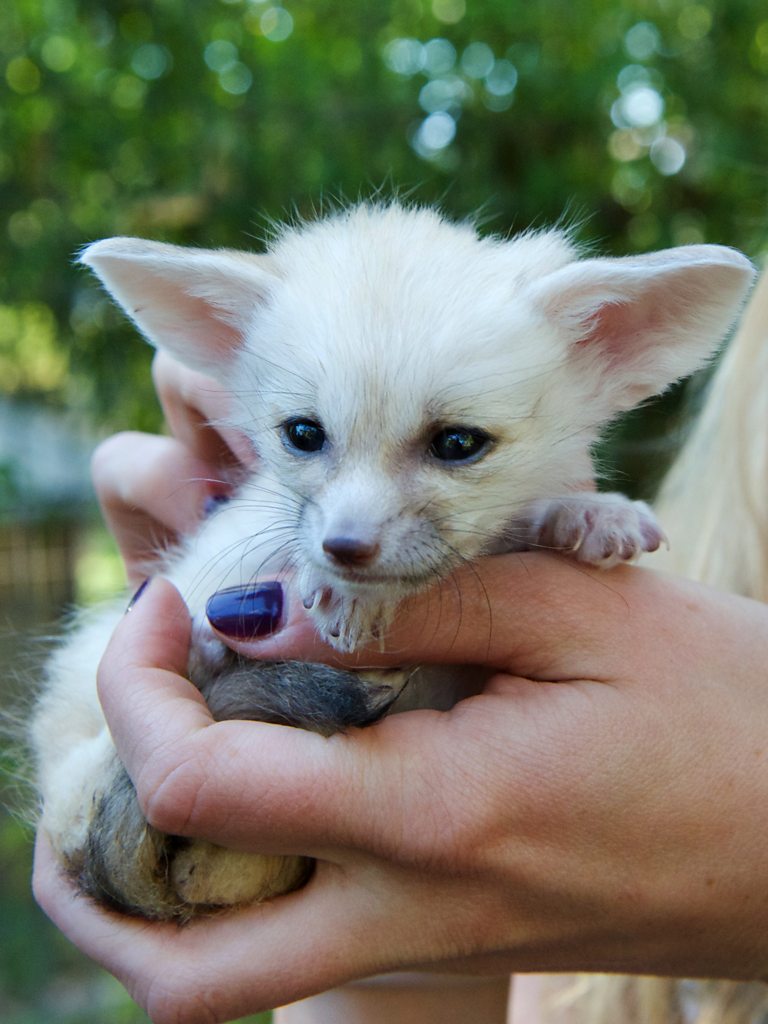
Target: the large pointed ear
pixel 194 303
pixel 637 324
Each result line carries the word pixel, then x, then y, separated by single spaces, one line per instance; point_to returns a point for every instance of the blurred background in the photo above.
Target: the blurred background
pixel 641 121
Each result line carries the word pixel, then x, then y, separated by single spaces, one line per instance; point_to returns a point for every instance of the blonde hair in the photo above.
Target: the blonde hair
pixel 714 507
pixel 714 501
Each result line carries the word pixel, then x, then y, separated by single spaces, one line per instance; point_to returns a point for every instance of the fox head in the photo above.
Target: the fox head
pixel 411 387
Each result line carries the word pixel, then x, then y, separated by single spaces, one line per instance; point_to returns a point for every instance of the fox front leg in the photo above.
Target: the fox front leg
pixel 597 529
pixel 128 865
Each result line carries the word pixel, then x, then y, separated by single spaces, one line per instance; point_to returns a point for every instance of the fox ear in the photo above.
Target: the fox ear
pixel 637 324
pixel 196 304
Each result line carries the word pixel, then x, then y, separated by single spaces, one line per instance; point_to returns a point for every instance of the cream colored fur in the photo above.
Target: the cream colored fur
pixel 386 326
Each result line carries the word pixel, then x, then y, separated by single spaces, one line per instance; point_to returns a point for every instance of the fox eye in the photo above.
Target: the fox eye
pixel 304 435
pixel 457 444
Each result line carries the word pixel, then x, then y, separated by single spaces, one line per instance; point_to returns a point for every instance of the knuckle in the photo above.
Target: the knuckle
pixel 446 848
pixel 110 675
pixel 449 839
pixel 173 382
pixel 180 1001
pixel 168 790
pixel 164 372
pixel 108 455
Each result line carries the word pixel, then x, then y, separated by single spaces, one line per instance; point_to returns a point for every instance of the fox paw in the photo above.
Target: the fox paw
pixel 127 865
pixel 596 529
pixel 345 621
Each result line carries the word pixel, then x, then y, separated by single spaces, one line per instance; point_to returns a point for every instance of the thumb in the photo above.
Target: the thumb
pixel 141 678
pixel 237 783
pixel 270 788
pixel 527 613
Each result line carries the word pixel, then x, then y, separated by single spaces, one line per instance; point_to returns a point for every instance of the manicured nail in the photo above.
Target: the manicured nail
pixel 142 587
pixel 213 503
pixel 245 613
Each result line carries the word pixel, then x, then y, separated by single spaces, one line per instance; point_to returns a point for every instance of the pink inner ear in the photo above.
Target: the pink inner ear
pixel 619 329
pixel 192 329
pixel 221 337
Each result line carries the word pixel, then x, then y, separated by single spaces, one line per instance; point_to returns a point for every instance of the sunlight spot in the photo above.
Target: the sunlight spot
pixel 434 133
pixel 129 92
pixel 276 24
pixel 236 79
pixel 23 75
pixel 24 228
pixel 405 56
pixel 449 11
pixel 642 40
pixel 624 145
pixel 59 53
pixel 668 156
pixel 151 61
pixel 220 55
pixel 640 106
pixel 443 94
pixel 502 78
pixel 439 56
pixel 694 22
pixel 477 60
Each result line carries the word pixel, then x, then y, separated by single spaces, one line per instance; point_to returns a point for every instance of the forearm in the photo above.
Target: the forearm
pixel 405 999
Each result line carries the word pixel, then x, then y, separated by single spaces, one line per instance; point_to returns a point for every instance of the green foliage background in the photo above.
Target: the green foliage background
pixel 199 123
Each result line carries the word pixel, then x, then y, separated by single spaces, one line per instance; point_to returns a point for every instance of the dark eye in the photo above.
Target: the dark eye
pixel 454 444
pixel 305 435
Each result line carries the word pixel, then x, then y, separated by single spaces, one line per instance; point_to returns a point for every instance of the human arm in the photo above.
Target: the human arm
pixel 598 807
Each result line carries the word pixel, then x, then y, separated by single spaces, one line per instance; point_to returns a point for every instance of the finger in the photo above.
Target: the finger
pixel 193 775
pixel 142 675
pixel 263 787
pixel 151 490
pixel 535 614
pixel 197 409
pixel 375 791
pixel 221 968
pixel 255 958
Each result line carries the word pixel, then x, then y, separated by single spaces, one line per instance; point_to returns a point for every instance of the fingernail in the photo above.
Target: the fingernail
pixel 142 587
pixel 245 613
pixel 213 503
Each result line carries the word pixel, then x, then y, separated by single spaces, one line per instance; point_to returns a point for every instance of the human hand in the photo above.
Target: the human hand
pixel 153 490
pixel 597 807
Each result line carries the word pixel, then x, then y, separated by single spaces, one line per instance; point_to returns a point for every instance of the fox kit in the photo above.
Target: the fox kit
pixel 418 396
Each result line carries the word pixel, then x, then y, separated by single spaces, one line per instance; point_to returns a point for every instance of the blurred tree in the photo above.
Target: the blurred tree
pixel 198 123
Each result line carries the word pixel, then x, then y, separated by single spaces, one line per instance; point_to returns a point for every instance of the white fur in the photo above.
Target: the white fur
pixel 385 325
pixel 69 735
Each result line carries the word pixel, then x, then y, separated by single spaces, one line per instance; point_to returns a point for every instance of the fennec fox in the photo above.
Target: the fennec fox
pixel 417 396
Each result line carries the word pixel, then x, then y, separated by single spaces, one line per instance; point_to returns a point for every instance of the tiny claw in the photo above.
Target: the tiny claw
pixel 318 596
pixel 653 537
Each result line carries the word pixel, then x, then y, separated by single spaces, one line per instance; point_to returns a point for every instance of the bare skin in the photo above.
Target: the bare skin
pixel 152 490
pixel 597 807
pixel 595 810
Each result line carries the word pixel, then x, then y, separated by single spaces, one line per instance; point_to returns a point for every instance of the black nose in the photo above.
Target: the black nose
pixel 351 550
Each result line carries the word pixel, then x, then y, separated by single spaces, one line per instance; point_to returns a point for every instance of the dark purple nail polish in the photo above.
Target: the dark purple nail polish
pixel 246 613
pixel 213 503
pixel 142 587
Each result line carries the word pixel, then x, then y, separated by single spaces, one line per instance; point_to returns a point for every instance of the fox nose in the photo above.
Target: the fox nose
pixel 351 551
